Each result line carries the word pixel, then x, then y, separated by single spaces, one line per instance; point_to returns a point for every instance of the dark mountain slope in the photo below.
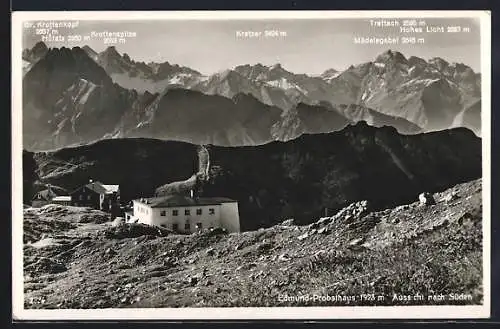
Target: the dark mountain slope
pixel 311 119
pixel 138 165
pixel 187 115
pixel 470 117
pixel 302 177
pixel 68 99
pixel 299 178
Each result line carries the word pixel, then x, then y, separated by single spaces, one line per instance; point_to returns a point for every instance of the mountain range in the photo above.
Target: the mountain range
pixel 76 96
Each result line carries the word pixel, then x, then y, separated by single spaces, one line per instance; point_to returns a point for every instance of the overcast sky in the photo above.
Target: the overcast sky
pixel 310 46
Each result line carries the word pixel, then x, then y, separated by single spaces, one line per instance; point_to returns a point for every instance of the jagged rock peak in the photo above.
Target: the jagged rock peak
pixel 77 49
pixel 126 57
pixel 461 67
pixel 439 63
pixel 414 60
pixel 111 51
pixel 39 46
pixel 330 71
pixel 390 55
pixel 228 74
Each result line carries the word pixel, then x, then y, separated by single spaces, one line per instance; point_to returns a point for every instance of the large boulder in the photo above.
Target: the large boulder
pixel 133 230
pixel 118 221
pixel 426 199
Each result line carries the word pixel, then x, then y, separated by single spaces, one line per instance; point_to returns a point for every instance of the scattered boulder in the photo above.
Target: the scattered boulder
pixel 303 236
pixel 110 252
pixel 193 280
pixel 46 265
pixel 362 206
pixel 245 267
pixel 324 220
pixel 450 197
pixel 314 225
pixel 134 230
pixel 118 221
pixel 401 207
pixel 467 220
pixel 352 212
pixel 348 218
pixel 288 222
pixel 426 199
pixel 264 246
pixel 284 257
pixel 96 217
pixel 216 231
pixel 51 208
pixel 357 241
pixel 323 230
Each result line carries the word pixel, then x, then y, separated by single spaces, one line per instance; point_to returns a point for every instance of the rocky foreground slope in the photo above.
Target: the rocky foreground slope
pixel 431 249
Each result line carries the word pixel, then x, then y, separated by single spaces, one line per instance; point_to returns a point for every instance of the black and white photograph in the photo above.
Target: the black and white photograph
pixel 221 165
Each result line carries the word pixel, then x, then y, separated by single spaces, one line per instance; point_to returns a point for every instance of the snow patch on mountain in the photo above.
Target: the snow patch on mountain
pixel 283 83
pixel 86 89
